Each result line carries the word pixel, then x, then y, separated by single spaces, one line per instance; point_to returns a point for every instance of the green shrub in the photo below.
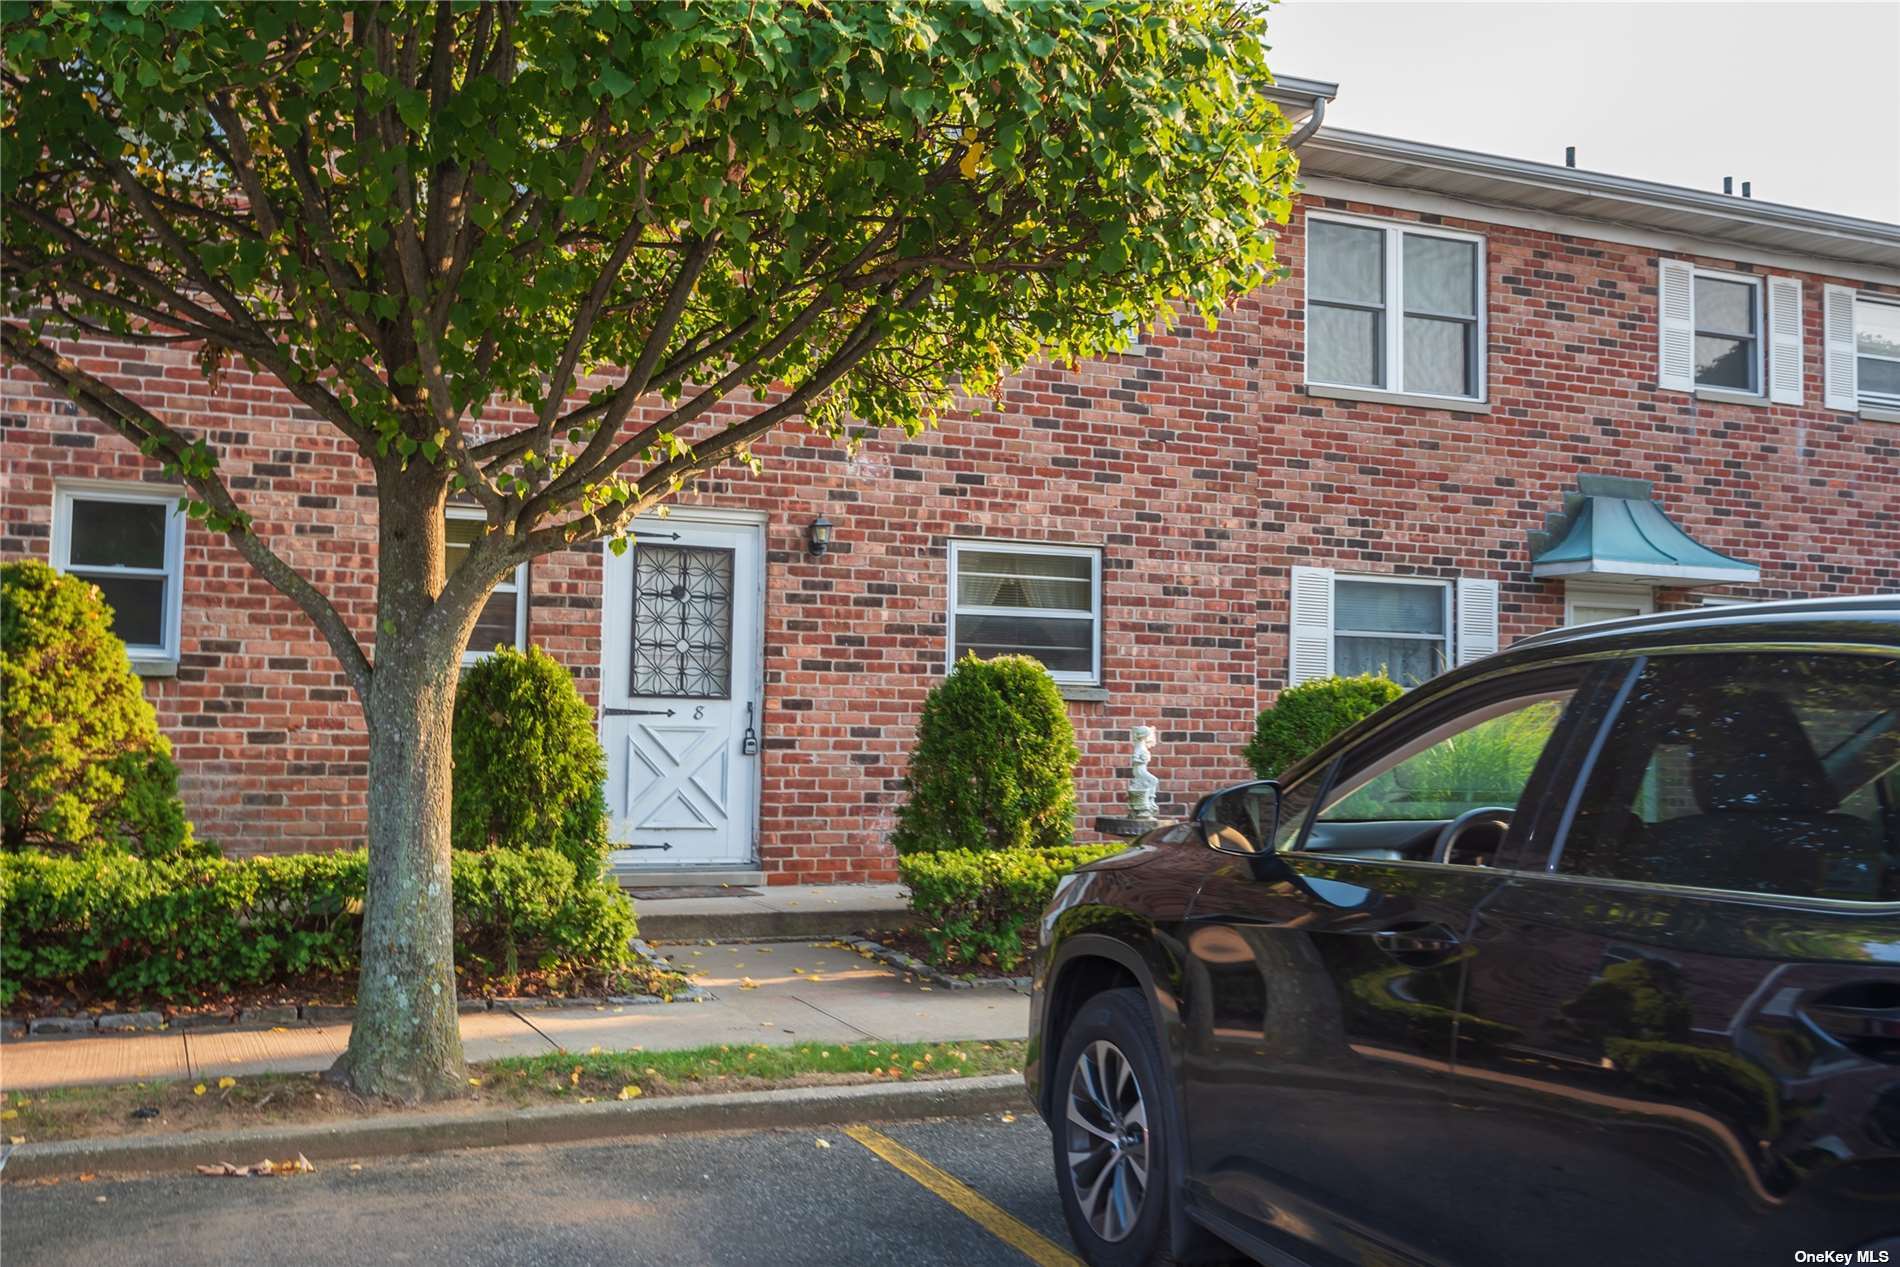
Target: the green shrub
pixel 994 762
pixel 82 763
pixel 109 925
pixel 976 904
pixel 1305 716
pixel 529 771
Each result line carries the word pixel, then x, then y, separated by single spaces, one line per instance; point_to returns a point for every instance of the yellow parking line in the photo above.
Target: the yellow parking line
pixel 997 1221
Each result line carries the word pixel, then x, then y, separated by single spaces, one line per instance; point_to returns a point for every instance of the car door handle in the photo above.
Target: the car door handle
pixel 1412 941
pixel 1865 1018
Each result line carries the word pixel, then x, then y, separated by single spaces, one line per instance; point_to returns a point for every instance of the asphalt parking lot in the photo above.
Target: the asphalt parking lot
pixel 966 1192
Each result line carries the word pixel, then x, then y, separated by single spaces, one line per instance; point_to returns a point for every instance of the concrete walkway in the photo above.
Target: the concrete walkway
pixel 833 996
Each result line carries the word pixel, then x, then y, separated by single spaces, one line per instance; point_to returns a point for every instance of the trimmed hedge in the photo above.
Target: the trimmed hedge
pixel 994 762
pixel 1303 717
pixel 115 926
pixel 529 770
pixel 82 763
pixel 977 903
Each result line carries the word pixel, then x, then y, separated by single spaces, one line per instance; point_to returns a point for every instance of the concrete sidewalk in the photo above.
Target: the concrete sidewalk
pixel 834 996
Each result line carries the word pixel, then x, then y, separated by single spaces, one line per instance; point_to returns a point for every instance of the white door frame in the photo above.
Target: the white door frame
pixel 755 654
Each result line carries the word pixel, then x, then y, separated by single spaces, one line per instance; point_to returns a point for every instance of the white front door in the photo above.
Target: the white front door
pixel 679 690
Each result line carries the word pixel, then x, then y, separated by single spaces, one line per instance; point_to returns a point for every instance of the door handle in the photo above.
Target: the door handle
pixel 1864 1018
pixel 1411 941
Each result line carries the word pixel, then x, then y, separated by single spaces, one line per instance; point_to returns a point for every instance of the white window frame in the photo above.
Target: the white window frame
pixel 1393 314
pixel 518 587
pixel 1864 399
pixel 1642 597
pixel 1756 283
pixel 1093 554
pixel 1447 639
pixel 163 656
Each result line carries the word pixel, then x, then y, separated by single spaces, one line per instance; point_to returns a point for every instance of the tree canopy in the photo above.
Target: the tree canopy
pixel 409 211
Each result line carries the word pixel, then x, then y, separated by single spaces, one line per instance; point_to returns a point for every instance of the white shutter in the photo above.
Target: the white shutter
pixel 1477 618
pixel 1837 354
pixel 1675 310
pixel 1785 365
pixel 1309 626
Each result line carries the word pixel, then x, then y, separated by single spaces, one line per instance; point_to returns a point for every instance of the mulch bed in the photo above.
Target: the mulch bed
pixel 984 967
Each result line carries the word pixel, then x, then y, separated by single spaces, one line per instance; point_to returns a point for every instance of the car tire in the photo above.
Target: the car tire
pixel 1112 1165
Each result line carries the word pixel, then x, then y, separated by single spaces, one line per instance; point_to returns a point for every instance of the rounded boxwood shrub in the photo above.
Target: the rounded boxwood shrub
pixel 529 770
pixel 994 762
pixel 83 766
pixel 1307 715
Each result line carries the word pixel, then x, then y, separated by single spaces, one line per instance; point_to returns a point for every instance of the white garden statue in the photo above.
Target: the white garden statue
pixel 1142 787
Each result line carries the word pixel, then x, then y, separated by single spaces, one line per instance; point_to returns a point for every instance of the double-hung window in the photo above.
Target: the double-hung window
pixel 1396 309
pixel 1019 598
pixel 1728 333
pixel 1406 628
pixel 129 540
pixel 504 617
pixel 1400 628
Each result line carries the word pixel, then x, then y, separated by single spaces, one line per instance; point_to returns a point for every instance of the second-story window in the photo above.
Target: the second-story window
pixel 1394 309
pixel 1728 333
pixel 1877 352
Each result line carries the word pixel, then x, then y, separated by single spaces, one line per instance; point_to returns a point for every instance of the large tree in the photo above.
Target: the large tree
pixel 663 229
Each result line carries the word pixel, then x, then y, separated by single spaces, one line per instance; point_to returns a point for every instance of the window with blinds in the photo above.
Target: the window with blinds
pixel 1018 598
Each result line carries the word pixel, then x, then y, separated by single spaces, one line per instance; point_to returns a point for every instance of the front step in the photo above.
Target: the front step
pixel 779 911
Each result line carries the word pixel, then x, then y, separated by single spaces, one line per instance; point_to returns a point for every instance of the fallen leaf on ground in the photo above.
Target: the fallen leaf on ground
pixel 1009 1117
pixel 630 1092
pixel 226 1083
pixel 474 1082
pixel 822 1143
pixel 199 1089
pixel 88 1177
pixel 225 1170
pixel 16 1139
pixel 280 1029
pixel 7 1115
pixel 747 983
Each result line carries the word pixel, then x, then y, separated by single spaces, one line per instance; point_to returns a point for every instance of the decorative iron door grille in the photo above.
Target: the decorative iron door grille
pixel 682 622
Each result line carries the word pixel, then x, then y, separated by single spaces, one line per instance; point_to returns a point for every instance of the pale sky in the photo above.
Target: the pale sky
pixel 1802 99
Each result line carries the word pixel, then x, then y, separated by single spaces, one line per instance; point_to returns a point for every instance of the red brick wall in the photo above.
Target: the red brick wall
pixel 1197 464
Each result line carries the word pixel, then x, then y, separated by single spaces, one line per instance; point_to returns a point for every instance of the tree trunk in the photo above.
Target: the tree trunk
pixel 406 1043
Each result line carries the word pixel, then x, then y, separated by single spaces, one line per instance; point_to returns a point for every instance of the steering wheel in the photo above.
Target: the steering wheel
pixel 1498 815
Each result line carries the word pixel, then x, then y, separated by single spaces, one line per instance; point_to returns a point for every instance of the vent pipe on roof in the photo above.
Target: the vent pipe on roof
pixel 1570 156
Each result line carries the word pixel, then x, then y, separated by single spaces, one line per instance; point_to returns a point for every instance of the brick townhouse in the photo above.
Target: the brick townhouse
pixel 1491 396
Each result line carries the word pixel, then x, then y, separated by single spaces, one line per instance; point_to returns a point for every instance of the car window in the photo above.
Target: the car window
pixel 1483 758
pixel 1765 772
pixel 1395 799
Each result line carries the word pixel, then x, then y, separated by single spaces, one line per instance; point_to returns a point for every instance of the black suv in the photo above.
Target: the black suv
pixel 1584 954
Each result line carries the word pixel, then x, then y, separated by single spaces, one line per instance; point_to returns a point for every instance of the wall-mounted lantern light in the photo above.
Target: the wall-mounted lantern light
pixel 818 536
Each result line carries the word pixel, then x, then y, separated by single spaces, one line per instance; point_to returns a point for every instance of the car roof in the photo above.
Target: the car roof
pixel 1803 619
pixel 1868 620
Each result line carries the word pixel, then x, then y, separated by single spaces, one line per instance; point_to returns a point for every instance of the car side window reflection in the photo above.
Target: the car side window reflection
pixel 1762 772
pixel 1407 802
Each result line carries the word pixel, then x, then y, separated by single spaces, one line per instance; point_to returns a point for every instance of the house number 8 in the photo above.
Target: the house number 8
pixel 699 713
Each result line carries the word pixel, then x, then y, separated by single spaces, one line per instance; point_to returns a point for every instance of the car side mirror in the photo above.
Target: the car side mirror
pixel 1240 820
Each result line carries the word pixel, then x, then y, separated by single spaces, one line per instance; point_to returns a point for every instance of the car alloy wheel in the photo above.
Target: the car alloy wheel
pixel 1107 1140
